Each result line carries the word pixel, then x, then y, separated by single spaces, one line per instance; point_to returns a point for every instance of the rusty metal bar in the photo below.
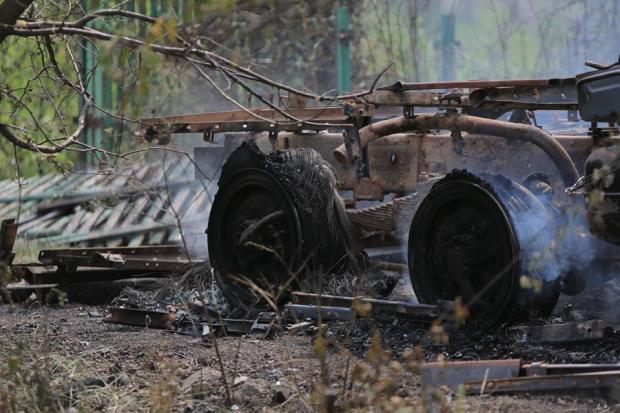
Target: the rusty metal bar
pixel 329 113
pixel 314 312
pixel 475 84
pixel 556 382
pixel 167 258
pixel 543 369
pixel 377 306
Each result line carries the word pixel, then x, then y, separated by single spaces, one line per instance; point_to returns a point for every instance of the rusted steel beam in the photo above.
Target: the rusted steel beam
pixel 563 97
pixel 377 305
pixel 509 376
pixel 476 84
pixel 167 258
pixel 329 113
pixel 542 369
pixel 241 121
pixel 506 98
pixel 453 374
pixel 144 250
pixel 554 382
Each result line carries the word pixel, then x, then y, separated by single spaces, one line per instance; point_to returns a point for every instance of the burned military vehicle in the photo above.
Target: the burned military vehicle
pixel 487 204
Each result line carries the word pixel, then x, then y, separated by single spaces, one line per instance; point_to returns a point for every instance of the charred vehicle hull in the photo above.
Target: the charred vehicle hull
pixel 476 204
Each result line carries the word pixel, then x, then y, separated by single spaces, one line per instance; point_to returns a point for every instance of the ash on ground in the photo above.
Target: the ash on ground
pixel 196 285
pixel 474 342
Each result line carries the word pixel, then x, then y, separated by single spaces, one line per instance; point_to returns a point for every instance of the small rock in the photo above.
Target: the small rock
pixel 93 382
pixel 281 391
pixel 120 379
pixel 239 379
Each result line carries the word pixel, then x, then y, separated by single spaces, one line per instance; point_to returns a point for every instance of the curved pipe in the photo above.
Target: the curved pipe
pixel 470 124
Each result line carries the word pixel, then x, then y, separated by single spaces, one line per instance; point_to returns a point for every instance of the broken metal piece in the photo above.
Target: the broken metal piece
pixel 444 308
pixel 15 293
pixel 554 382
pixel 324 313
pixel 298 328
pixel 456 373
pixel 543 369
pixel 166 258
pixel 509 376
pixel 141 318
pixel 560 333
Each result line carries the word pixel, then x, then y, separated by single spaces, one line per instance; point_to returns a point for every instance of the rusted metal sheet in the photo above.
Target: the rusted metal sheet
pixel 454 374
pixel 368 189
pixel 393 162
pixel 560 333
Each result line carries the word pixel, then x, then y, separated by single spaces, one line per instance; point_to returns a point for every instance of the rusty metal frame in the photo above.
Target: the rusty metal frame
pixel 352 119
pixel 165 258
pixel 533 94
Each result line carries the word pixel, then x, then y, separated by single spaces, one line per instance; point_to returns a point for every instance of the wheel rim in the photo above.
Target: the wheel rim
pixel 254 232
pixel 462 244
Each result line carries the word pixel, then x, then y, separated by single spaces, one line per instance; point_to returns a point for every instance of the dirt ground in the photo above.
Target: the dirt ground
pixel 68 356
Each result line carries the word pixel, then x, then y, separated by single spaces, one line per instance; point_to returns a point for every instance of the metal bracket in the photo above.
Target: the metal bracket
pixel 273 137
pixel 458 144
pixel 408 111
pixel 208 136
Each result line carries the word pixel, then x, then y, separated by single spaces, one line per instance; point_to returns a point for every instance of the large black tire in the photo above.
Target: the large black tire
pixel 489 241
pixel 275 218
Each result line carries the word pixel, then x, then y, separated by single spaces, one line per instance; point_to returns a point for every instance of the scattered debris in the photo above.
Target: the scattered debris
pixel 555 382
pixel 123 207
pixel 97 275
pixel 197 325
pixel 510 376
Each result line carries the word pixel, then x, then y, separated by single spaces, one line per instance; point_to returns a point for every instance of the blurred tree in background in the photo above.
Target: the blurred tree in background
pixel 292 41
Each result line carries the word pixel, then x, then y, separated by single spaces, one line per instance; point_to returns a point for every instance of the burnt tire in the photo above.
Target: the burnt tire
pixel 463 242
pixel 275 218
